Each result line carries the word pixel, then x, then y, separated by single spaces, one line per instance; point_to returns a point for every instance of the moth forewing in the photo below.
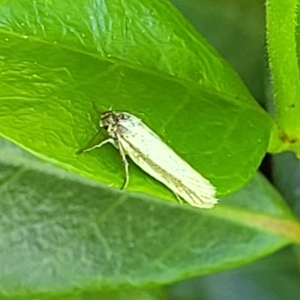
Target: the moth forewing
pixel 133 138
pixel 157 159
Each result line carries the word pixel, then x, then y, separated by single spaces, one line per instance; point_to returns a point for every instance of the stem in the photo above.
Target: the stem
pixel 282 50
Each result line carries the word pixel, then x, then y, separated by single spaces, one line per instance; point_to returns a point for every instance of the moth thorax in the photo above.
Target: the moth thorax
pixel 108 120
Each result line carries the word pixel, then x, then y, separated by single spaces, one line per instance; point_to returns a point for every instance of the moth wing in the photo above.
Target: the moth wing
pixel 157 159
pixel 198 192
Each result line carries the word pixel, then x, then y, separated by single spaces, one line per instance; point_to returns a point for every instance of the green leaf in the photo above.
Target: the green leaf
pixel 144 34
pixel 60 233
pixel 57 58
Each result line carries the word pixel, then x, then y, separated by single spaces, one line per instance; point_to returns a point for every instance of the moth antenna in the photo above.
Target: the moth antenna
pixel 97 108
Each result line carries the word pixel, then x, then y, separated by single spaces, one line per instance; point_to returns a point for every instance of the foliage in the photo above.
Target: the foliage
pixel 64 235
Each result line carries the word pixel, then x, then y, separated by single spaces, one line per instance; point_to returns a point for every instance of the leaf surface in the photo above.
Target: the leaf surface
pixel 138 56
pixel 60 232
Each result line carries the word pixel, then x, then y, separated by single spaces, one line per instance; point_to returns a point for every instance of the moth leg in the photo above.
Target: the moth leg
pixel 178 198
pixel 125 163
pixel 108 140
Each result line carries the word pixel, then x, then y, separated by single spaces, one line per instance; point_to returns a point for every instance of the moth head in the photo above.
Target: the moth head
pixel 109 119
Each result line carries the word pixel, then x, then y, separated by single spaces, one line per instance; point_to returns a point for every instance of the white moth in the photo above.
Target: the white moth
pixel 133 138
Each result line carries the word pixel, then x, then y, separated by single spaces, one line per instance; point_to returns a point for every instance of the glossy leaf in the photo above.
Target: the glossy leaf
pixel 145 34
pixel 57 58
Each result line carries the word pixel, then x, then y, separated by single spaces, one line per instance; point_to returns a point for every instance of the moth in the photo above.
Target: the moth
pixel 146 149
